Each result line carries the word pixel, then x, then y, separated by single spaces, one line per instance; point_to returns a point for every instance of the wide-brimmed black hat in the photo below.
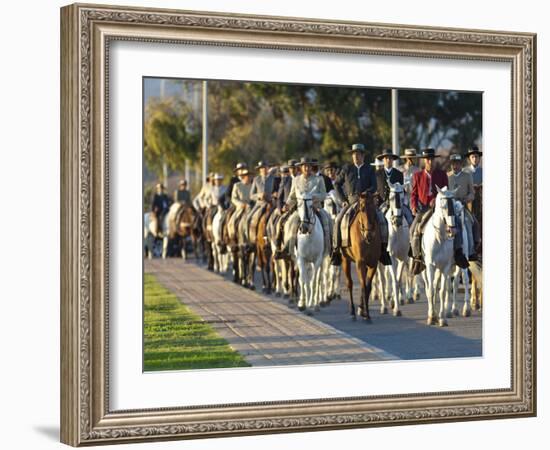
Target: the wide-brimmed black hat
pixel 241 165
pixel 409 153
pixel 387 153
pixel 474 150
pixel 357 148
pixel 330 165
pixel 262 164
pixel 283 168
pixel 304 160
pixel 428 153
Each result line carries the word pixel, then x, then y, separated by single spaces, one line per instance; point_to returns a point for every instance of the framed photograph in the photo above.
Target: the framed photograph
pixel 278 224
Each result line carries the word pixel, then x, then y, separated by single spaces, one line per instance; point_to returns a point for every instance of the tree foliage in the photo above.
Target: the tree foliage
pixel 249 121
pixel 171 134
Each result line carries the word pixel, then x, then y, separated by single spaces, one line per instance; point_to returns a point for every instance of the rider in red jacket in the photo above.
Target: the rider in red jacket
pixel 424 191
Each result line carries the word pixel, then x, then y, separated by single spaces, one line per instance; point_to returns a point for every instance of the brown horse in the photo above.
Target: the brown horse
pixel 364 251
pixel 263 250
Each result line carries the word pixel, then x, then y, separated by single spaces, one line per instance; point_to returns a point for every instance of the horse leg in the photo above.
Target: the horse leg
pixel 442 279
pixel 395 292
pixel 371 272
pixel 466 311
pixel 362 274
pixel 382 289
pixel 346 268
pixel 302 277
pixel 429 283
pixel 455 285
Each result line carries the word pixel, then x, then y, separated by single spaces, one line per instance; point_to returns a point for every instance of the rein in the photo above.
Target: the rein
pixel 307 219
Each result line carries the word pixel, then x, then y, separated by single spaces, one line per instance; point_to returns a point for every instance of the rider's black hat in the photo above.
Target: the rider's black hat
pixel 387 152
pixel 429 153
pixel 357 148
pixel 474 150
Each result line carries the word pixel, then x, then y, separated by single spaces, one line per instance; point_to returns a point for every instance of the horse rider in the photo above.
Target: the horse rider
pixel 240 195
pixel 330 169
pixel 308 183
pixel 474 157
pixel 293 167
pixel 409 168
pixel 260 192
pixel 353 180
pixel 328 182
pixel 161 204
pixel 389 174
pixel 283 193
pixel 182 194
pixel 225 197
pixel 423 195
pixel 199 202
pixel 463 182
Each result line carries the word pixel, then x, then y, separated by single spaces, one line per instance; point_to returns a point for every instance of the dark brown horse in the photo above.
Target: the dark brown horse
pixel 364 251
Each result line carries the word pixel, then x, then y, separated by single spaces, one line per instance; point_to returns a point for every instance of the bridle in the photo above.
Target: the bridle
pixel 396 219
pixel 309 221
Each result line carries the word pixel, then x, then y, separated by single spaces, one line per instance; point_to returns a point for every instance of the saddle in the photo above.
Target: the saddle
pixel 345 223
pixel 254 221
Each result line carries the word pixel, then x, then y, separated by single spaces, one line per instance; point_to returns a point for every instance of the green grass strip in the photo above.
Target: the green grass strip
pixel 177 339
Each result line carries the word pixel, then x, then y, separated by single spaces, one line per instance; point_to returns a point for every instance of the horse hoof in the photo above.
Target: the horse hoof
pixel 301 308
pixel 286 296
pixel 467 313
pixel 323 304
pixel 264 290
pixel 431 321
pixel 449 315
pixel 397 313
pixel 443 323
pixel 252 287
pixel 456 313
pixel 384 310
pixel 339 297
pixel 353 318
pixel 309 312
pixel 277 294
pixel 366 319
pixel 317 309
pixel 410 300
pixel 402 302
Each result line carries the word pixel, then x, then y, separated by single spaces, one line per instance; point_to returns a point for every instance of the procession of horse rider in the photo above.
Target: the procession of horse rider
pixel 423 195
pixel 354 179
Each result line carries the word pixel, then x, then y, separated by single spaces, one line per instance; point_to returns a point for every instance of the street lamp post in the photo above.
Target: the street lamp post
pixel 204 131
pixel 395 121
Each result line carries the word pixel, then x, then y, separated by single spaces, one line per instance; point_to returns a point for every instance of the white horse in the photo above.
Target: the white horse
pixel 331 274
pixel 398 245
pixel 458 273
pixel 310 250
pixel 437 246
pixel 221 259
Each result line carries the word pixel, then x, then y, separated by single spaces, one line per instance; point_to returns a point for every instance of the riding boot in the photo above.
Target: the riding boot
pixel 460 259
pixel 336 257
pixel 385 257
pixel 418 264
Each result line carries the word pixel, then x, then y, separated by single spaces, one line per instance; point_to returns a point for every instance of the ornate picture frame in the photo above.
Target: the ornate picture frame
pixel 86 34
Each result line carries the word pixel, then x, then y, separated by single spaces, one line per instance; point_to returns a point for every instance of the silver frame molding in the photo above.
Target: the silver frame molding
pixel 86 31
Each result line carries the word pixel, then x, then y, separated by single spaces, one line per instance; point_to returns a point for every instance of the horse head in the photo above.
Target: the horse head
pixel 395 200
pixel 305 212
pixel 445 206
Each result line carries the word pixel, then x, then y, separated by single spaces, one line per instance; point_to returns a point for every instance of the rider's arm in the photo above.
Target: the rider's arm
pixel 339 186
pixel 470 194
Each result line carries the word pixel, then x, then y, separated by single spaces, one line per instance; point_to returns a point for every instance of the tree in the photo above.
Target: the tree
pixel 171 134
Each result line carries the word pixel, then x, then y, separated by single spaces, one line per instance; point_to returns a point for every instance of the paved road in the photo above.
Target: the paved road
pixel 265 332
pixel 406 337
